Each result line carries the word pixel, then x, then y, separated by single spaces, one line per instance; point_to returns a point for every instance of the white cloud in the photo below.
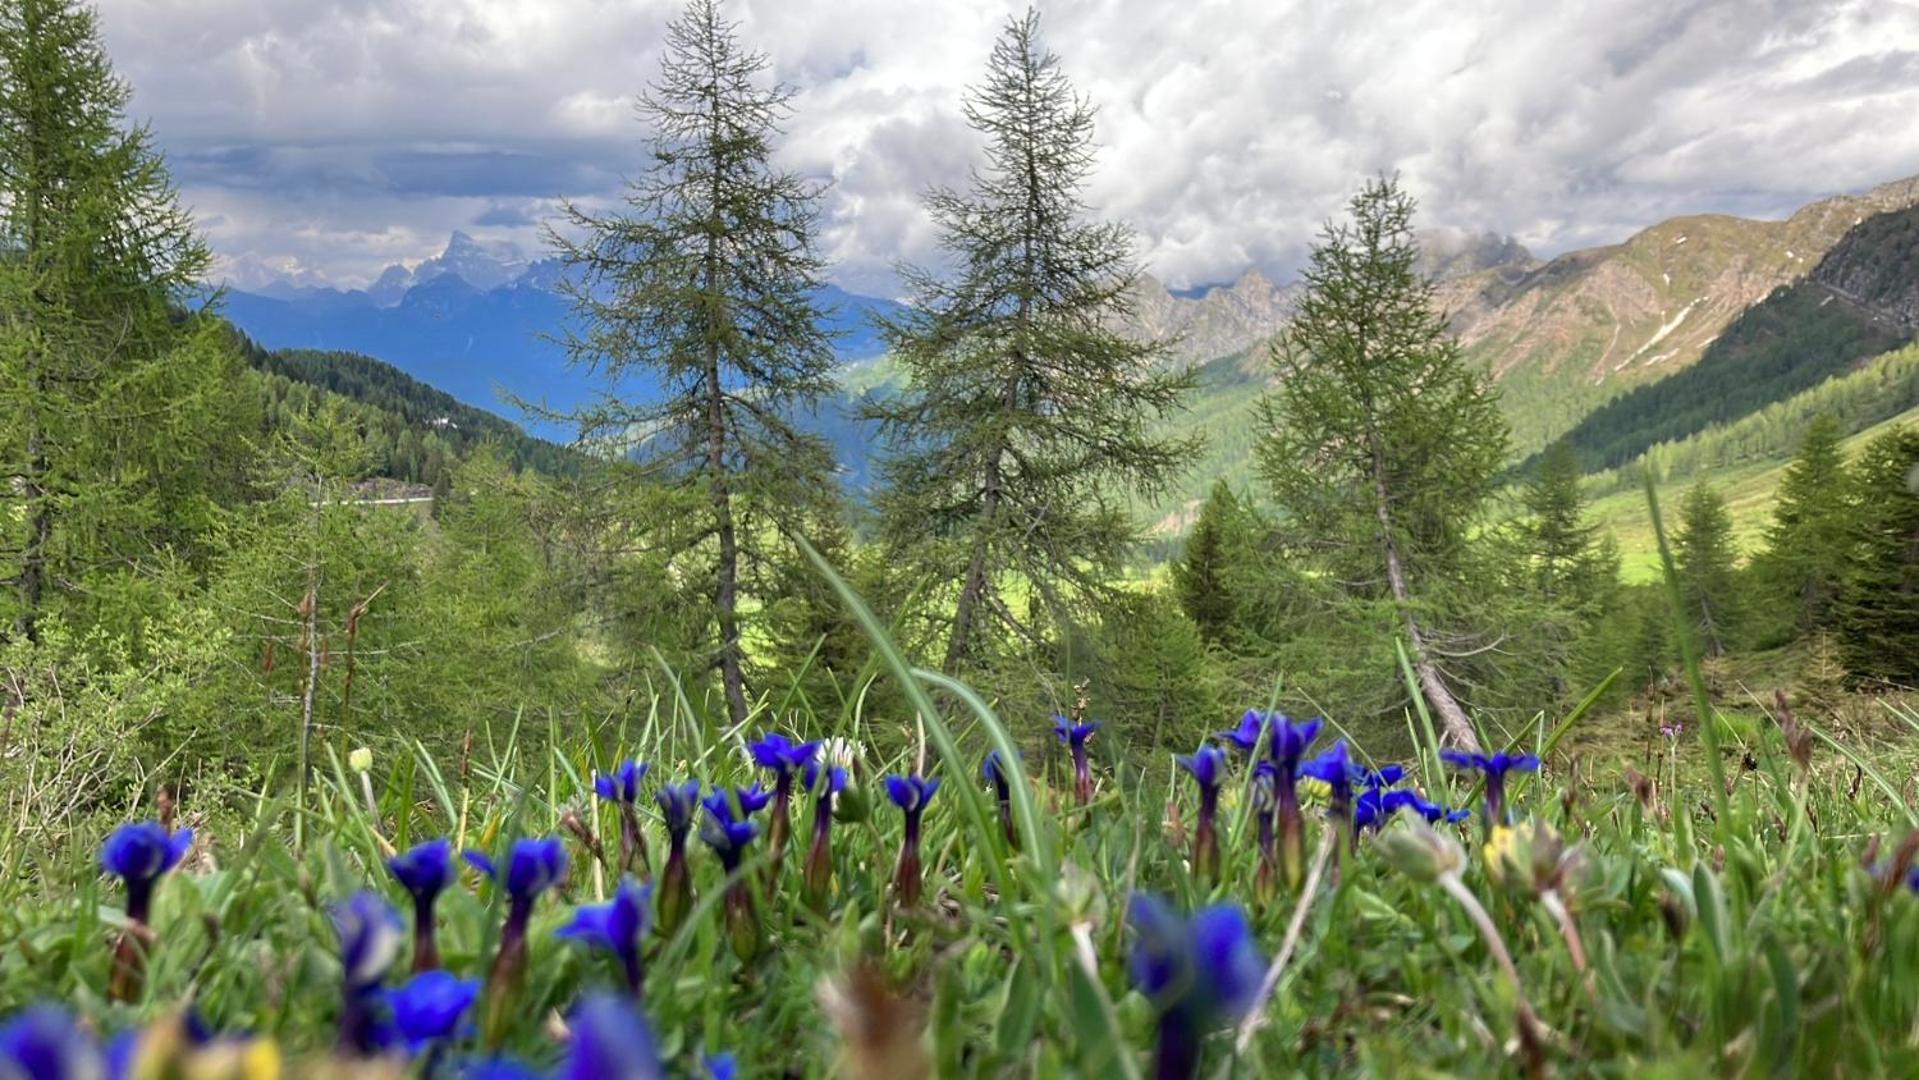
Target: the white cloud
pixel 340 136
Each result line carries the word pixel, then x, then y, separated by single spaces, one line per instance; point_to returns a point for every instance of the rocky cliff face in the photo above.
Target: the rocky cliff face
pixel 1225 320
pixel 1876 267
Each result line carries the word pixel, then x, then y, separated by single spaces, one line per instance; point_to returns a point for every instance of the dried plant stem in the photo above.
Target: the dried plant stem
pixel 1250 1025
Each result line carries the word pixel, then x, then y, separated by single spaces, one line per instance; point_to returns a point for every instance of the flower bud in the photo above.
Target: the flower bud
pixel 1419 852
pixel 360 760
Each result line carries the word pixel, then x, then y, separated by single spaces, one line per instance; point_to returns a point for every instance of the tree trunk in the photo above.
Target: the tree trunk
pixel 1455 727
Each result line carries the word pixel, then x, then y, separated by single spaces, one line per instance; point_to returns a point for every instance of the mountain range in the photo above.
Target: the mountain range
pixel 1599 345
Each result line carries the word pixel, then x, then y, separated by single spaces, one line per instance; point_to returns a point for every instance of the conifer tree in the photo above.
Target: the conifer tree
pixel 1879 610
pixel 1704 556
pixel 1202 573
pixel 104 387
pixel 1569 564
pixel 1026 418
pixel 1381 444
pixel 1807 543
pixel 707 283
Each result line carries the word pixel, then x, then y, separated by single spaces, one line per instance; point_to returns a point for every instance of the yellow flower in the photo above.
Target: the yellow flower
pixel 1499 852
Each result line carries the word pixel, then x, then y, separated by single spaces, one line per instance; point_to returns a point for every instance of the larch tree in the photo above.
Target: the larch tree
pixel 1380 444
pixel 1878 611
pixel 706 284
pixel 107 380
pixel 1807 543
pixel 1025 418
pixel 1706 560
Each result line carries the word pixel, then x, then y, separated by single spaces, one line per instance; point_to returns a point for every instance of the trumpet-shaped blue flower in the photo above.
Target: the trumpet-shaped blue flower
pixel 42 1042
pixel 780 755
pixel 911 793
pixel 610 1041
pixel 1199 972
pixel 677 804
pixel 1494 767
pixel 532 866
pixel 618 926
pixel 622 785
pixel 1206 765
pixel 721 1066
pixel 1291 739
pixel 428 1007
pixel 424 871
pixel 1075 736
pixel 1208 768
pixel 622 788
pixel 1245 737
pixel 370 933
pixel 824 781
pixel 726 831
pixel 499 1068
pixel 138 854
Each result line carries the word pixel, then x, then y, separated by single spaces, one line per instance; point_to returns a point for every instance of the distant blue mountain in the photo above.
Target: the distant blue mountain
pixel 484 346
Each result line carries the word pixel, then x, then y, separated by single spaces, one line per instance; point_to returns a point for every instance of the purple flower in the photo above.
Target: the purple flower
pixel 677 803
pixel 726 831
pixel 424 871
pixel 428 1007
pixel 532 867
pixel 370 933
pixel 1245 737
pixel 781 755
pixel 622 785
pixel 1494 767
pixel 1208 768
pixel 616 926
pixel 610 1042
pixel 139 854
pixel 910 794
pixel 824 782
pixel 1075 736
pixel 42 1042
pixel 1199 972
pixel 995 773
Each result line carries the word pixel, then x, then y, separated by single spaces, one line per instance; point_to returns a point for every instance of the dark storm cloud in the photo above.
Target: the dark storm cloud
pixel 334 138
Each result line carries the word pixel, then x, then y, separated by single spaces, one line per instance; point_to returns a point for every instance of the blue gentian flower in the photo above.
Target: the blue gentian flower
pixel 1200 973
pixel 532 867
pixel 677 805
pixel 42 1042
pixel 610 1041
pixel 1276 809
pixel 370 934
pixel 1337 770
pixel 910 794
pixel 1291 739
pixel 1245 737
pixel 427 1009
pixel 1494 767
pixel 728 833
pixel 621 787
pixel 1075 736
pixel 784 758
pixel 781 755
pixel 1208 768
pixel 138 854
pixel 424 871
pixel 616 926
pixel 721 1066
pixel 824 781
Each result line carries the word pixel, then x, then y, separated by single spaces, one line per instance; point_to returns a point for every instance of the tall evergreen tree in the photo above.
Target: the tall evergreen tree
pixel 1202 573
pixel 1807 543
pixel 1568 561
pixel 1879 610
pixel 1026 417
pixel 1381 444
pixel 104 388
pixel 707 282
pixel 1705 557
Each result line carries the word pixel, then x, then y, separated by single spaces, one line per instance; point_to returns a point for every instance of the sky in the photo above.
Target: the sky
pixel 323 140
